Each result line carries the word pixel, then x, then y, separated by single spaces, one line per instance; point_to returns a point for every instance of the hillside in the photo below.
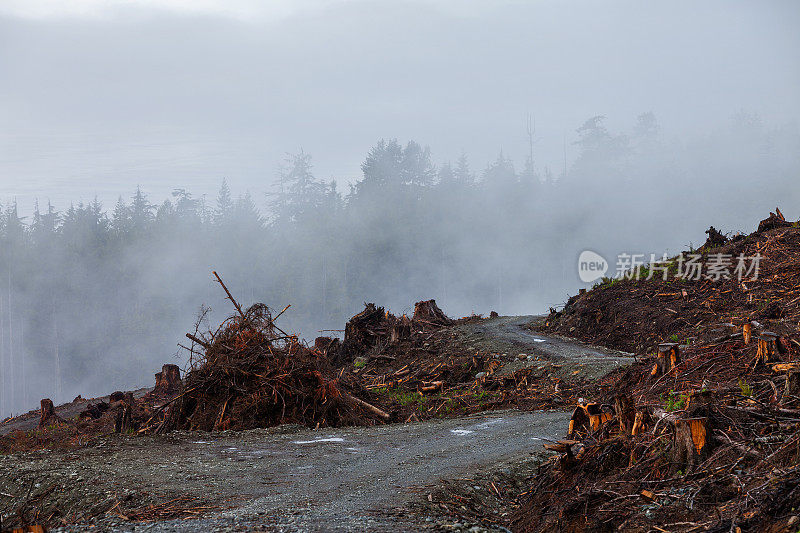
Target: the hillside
pixel 703 432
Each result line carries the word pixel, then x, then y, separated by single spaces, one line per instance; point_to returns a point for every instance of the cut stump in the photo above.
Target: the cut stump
pixel 48 413
pixel 692 442
pixel 767 348
pixel 168 381
pixel 669 356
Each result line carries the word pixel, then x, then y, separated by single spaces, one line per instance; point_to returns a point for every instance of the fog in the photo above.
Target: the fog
pixel 370 151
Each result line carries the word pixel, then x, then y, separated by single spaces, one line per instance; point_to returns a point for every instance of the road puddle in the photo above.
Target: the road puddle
pixel 316 441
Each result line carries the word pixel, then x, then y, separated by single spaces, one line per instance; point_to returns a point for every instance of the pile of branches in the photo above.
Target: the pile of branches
pixel 252 374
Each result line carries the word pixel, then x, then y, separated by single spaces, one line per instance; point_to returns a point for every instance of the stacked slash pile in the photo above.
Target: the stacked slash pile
pixel 252 374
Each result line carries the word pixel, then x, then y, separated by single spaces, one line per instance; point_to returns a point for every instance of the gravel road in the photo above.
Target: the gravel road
pixel 512 335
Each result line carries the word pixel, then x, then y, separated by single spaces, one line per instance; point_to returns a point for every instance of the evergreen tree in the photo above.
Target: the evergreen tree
pixel 462 173
pixel 225 205
pixel 121 218
pixel 141 211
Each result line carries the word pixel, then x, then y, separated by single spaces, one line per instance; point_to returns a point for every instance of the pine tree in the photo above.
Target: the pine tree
pixel 225 205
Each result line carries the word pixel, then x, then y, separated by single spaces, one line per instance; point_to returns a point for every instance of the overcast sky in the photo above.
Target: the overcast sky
pixel 97 96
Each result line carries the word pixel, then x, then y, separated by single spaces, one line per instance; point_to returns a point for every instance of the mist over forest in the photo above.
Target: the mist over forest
pixel 96 297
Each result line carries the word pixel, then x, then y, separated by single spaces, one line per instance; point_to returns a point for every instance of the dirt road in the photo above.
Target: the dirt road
pixel 291 478
pixel 512 335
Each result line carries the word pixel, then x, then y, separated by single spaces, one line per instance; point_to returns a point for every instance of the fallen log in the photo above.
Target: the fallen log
pixel 369 407
pixel 786 367
pixel 433 386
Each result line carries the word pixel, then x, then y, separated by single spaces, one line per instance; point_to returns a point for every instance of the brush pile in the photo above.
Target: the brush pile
pixel 252 374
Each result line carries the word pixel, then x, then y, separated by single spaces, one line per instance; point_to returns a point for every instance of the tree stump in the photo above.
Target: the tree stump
pixel 124 419
pixel 691 442
pixel 791 391
pixel 363 332
pixel 623 405
pixel 588 418
pixel 668 357
pixel 699 398
pixel 747 333
pixel 123 423
pixel 47 413
pixel 579 423
pixel 640 422
pixel 767 348
pixel 118 396
pixel 775 220
pixel 564 447
pixel 401 329
pixel 168 381
pixel 427 311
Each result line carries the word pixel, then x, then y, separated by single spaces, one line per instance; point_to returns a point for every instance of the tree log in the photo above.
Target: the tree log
pixel 369 407
pixel 433 386
pixel 786 367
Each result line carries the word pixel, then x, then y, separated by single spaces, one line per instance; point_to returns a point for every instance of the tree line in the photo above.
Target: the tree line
pixel 95 298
